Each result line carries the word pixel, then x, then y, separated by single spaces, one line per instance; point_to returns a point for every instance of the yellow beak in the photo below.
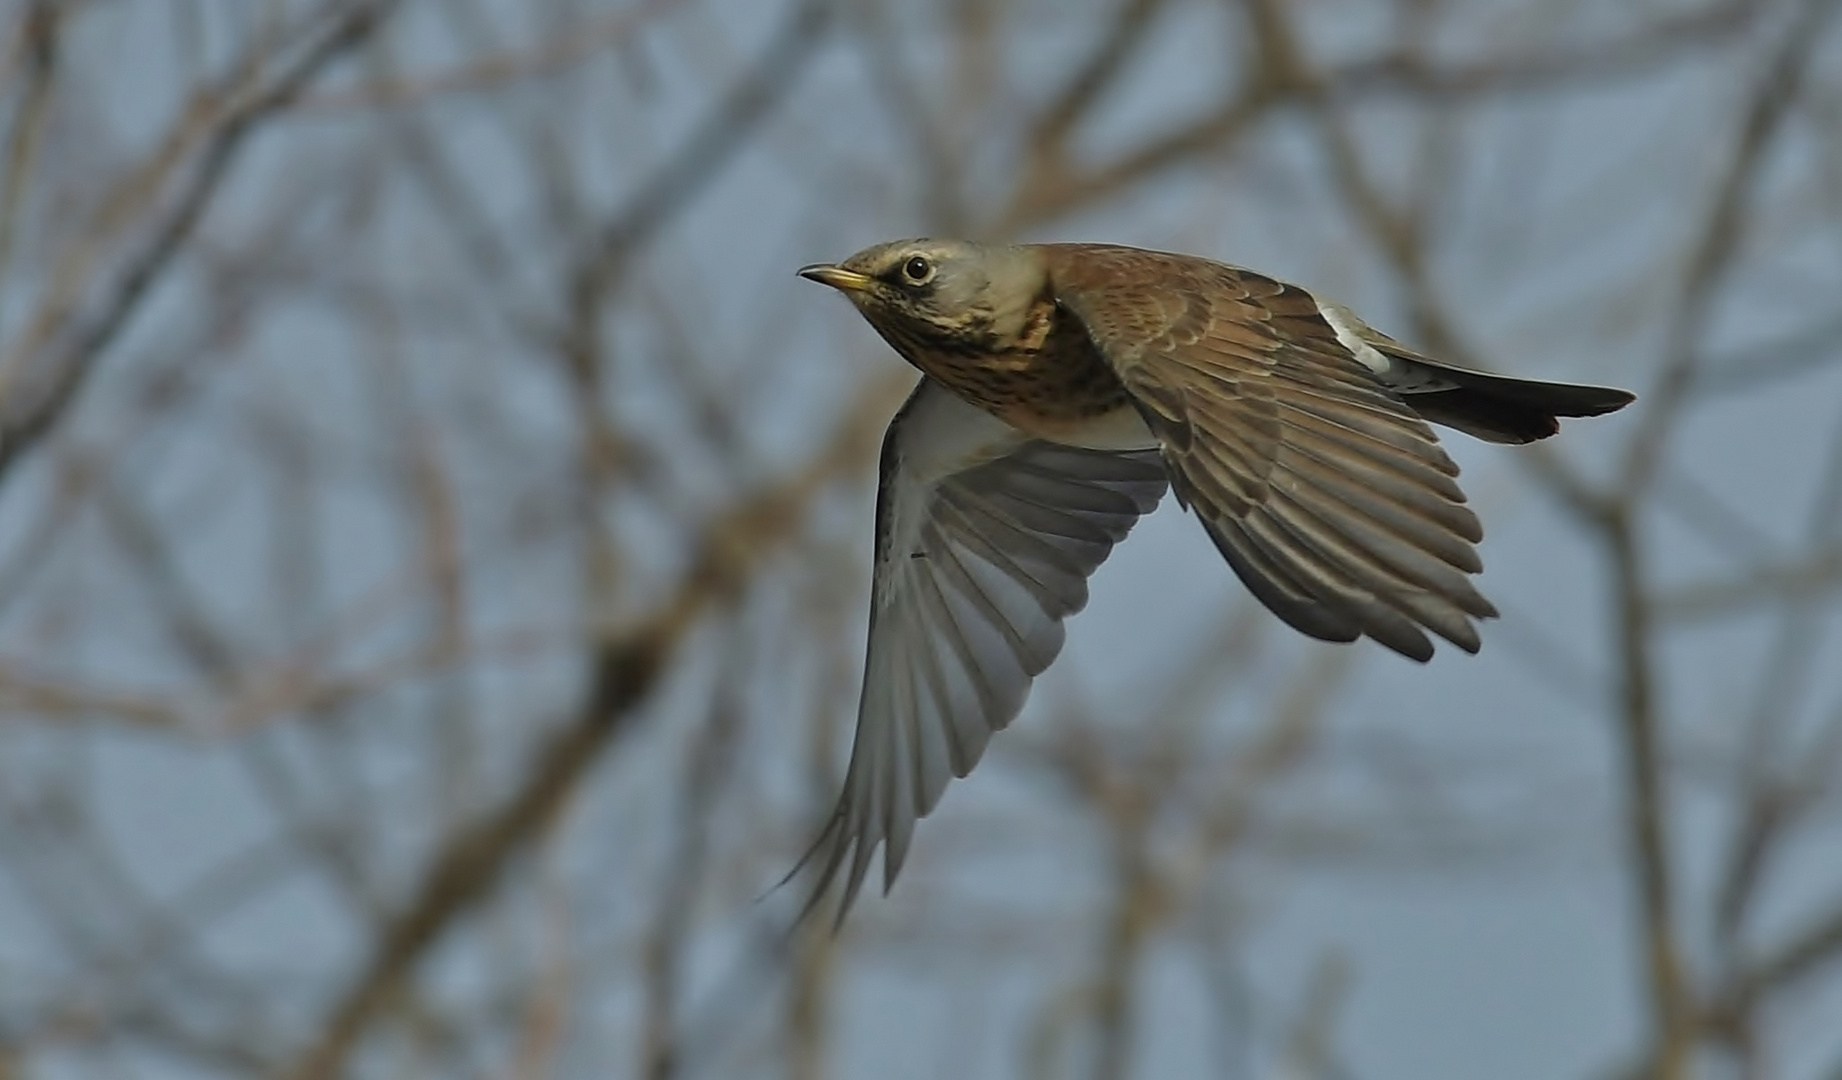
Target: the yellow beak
pixel 837 277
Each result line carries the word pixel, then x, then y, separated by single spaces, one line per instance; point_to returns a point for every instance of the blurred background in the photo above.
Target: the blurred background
pixel 435 536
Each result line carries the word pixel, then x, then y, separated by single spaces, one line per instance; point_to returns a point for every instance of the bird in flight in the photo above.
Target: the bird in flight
pixel 1064 386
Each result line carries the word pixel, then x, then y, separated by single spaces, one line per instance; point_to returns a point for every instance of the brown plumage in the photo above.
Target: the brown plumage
pixel 1064 384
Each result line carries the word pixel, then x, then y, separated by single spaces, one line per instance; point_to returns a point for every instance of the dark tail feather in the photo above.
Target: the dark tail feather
pixel 1504 410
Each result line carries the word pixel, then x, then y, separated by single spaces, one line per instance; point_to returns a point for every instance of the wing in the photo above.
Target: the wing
pixel 984 542
pixel 1328 496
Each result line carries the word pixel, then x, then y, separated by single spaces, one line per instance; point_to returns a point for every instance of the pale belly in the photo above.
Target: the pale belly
pixel 1121 429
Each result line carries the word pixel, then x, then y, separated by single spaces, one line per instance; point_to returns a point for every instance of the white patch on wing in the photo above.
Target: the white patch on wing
pixel 1121 429
pixel 1344 323
pixel 1397 374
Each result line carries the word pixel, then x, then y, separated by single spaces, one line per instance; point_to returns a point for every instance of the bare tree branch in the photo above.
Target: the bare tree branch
pixel 72 333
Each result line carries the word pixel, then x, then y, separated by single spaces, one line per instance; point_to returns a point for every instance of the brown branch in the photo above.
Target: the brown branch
pixel 1139 905
pixel 1646 806
pixel 1819 945
pixel 711 761
pixel 29 692
pixel 39 40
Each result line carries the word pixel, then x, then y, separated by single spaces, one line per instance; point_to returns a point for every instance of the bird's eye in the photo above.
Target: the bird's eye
pixel 917 270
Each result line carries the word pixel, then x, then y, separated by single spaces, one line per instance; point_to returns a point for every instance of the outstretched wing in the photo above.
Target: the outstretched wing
pixel 984 542
pixel 1328 496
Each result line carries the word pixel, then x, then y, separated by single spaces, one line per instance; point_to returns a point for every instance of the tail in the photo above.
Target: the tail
pixel 1504 410
pixel 1494 408
pixel 1499 409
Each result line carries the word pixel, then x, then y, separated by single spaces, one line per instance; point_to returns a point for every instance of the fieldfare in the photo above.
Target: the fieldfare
pixel 1064 385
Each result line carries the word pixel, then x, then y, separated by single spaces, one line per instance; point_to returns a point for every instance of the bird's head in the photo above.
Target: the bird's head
pixel 942 292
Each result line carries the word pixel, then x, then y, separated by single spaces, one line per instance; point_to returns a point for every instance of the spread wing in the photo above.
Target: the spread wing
pixel 1330 498
pixel 984 542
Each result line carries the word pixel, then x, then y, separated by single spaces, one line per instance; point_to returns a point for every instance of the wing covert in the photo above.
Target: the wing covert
pixel 1331 499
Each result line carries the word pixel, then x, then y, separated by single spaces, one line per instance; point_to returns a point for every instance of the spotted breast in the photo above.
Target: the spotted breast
pixel 1049 380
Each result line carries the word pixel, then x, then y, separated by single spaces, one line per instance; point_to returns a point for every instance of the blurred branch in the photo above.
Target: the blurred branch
pixel 625 669
pixel 547 59
pixel 1809 577
pixel 25 692
pixel 698 162
pixel 1053 185
pixel 1756 367
pixel 1646 808
pixel 942 193
pixel 1665 39
pixel 670 189
pixel 39 39
pixel 202 646
pixel 1092 78
pixel 1792 962
pixel 1131 798
pixel 1774 803
pixel 1061 193
pixel 1690 500
pixel 1399 236
pixel 1780 80
pixel 1139 906
pixel 1709 264
pixel 73 331
pixel 1310 1052
pixel 349 583
pixel 807 1017
pixel 711 759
